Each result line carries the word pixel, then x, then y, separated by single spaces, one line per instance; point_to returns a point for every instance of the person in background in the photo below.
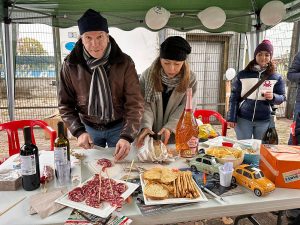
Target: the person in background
pixel 251 117
pixel 164 86
pixel 99 95
pixel 293 75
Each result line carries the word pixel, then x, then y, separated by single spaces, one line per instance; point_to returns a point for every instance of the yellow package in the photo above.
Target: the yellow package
pixel 207 131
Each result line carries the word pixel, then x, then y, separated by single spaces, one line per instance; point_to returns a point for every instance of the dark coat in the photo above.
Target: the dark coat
pixel 255 107
pixel 74 86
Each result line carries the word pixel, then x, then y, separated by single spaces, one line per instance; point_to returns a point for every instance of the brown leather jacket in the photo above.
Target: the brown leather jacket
pixel 74 85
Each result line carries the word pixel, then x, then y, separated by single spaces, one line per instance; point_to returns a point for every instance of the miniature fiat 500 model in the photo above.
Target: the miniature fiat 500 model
pixel 253 179
pixel 206 164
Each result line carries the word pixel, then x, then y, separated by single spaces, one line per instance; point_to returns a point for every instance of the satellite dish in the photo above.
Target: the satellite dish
pixel 272 13
pixel 212 17
pixel 157 17
pixel 230 73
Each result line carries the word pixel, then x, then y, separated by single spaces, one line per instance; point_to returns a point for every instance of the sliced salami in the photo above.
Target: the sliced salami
pixel 110 192
pixel 76 195
pixel 105 163
pixel 120 187
pixel 93 202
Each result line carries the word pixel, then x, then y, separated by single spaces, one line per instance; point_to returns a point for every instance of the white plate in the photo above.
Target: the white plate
pixel 106 208
pixel 148 201
pixel 112 172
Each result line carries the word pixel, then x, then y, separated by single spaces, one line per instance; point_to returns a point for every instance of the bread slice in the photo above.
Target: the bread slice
pixel 156 192
pixel 153 174
pixel 167 176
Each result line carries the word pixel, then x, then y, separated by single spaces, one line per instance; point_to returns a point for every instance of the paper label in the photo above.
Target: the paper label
pixel 60 155
pixel 291 176
pixel 193 145
pixel 28 165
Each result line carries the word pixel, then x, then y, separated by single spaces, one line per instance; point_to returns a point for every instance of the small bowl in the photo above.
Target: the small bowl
pixel 236 161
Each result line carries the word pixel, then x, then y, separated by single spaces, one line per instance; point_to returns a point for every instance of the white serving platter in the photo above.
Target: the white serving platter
pixel 105 210
pixel 148 201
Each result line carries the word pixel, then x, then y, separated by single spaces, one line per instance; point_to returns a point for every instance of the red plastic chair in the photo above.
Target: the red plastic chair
pixel 292 127
pixel 206 114
pixel 13 137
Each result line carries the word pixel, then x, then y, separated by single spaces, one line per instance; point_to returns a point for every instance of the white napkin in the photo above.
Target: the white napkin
pixel 43 203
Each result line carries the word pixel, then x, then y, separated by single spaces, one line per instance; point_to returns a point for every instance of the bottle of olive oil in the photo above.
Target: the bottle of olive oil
pixel 61 150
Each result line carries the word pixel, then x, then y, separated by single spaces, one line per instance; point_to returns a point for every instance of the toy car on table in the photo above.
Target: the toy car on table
pixel 253 179
pixel 206 164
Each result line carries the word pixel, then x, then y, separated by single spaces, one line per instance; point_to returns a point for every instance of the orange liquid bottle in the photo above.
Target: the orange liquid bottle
pixel 186 137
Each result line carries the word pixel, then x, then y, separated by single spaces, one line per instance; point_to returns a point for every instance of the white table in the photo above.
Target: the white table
pixel 245 203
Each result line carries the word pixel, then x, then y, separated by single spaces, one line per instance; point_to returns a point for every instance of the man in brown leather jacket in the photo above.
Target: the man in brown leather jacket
pixel 99 93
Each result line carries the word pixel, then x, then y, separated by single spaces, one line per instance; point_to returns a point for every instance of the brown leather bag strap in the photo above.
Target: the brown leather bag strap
pixel 255 87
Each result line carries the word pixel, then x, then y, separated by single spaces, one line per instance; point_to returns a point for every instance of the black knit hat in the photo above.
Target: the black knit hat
pixel 92 21
pixel 175 48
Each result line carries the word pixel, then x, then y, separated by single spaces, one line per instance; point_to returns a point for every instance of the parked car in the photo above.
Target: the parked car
pixel 205 163
pixel 253 179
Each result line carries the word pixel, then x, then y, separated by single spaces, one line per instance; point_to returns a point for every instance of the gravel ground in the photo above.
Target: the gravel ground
pixel 282 126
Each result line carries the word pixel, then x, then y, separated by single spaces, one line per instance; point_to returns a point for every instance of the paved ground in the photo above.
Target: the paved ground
pixel 282 126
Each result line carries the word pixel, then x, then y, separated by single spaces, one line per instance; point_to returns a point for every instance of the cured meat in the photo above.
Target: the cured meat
pixel 120 187
pixel 76 195
pixel 105 163
pixel 93 202
pixel 110 192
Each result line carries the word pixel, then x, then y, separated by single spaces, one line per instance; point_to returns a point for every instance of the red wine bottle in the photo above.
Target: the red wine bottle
pixel 30 167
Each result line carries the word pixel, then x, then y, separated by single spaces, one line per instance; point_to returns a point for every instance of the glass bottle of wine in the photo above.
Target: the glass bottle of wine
pixel 271 136
pixel 61 151
pixel 186 137
pixel 29 157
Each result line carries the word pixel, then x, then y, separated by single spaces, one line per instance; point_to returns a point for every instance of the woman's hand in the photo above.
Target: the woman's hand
pixel 141 137
pixel 231 124
pixel 166 135
pixel 268 95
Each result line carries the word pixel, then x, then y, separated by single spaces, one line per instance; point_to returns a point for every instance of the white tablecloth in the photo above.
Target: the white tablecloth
pixel 245 203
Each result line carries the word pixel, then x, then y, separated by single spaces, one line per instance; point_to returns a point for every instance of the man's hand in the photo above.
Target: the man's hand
pixel 122 149
pixel 85 141
pixel 166 135
pixel 231 124
pixel 141 137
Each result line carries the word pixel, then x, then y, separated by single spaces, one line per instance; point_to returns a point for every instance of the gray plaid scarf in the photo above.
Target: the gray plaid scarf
pixel 100 100
pixel 151 94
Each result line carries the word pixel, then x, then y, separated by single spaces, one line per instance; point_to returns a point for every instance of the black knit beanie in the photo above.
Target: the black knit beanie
pixel 175 48
pixel 92 21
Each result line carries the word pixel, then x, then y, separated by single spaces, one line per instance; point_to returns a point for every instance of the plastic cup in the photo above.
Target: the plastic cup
pixel 63 173
pixel 225 177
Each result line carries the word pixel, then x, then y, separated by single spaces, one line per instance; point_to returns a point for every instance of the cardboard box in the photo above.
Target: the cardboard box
pixel 281 164
pixel 52 121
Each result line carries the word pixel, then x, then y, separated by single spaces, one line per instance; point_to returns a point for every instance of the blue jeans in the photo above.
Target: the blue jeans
pixel 246 129
pixel 110 136
pixel 296 111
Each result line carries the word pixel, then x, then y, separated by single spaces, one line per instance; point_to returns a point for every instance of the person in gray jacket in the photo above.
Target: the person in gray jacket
pixel 164 86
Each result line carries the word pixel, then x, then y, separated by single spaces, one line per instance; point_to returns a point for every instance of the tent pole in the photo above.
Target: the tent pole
pixel 9 68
